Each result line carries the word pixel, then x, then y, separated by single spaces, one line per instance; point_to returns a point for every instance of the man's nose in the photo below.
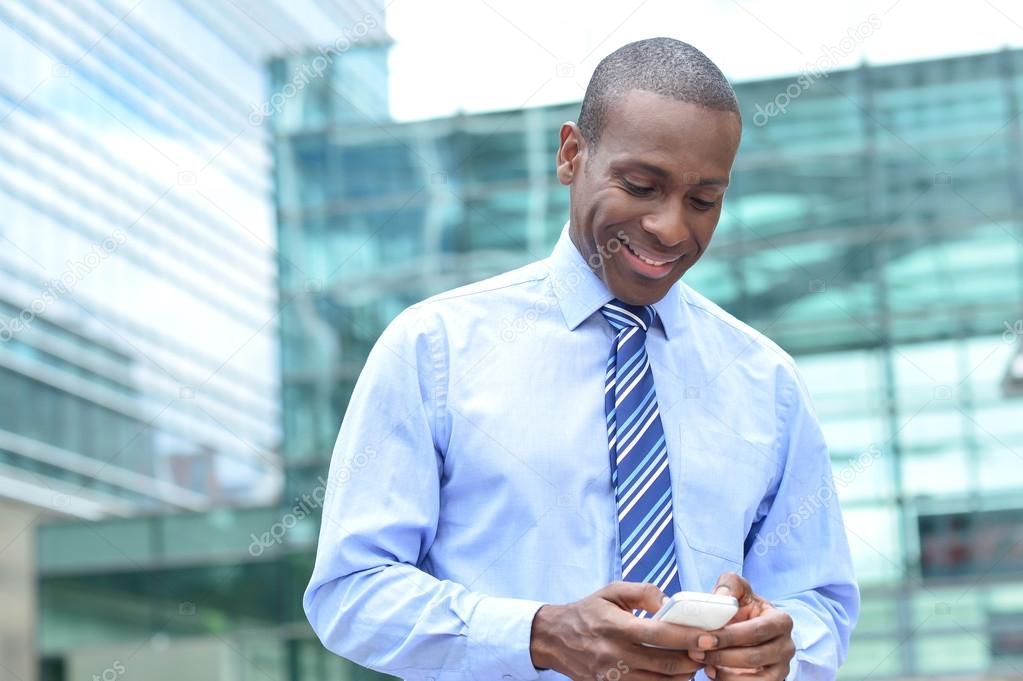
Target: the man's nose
pixel 668 224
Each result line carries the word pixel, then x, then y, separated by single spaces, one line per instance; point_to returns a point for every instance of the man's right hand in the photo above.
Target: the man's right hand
pixel 600 638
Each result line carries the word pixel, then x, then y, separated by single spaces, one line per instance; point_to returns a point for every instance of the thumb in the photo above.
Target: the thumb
pixel 750 605
pixel 633 596
pixel 731 584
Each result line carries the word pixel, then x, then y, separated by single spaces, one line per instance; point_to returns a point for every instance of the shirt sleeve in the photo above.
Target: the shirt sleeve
pixel 798 555
pixel 368 599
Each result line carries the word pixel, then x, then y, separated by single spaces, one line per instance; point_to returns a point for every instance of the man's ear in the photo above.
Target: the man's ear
pixel 570 152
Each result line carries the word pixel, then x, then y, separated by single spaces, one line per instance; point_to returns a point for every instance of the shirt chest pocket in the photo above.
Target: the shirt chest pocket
pixel 723 485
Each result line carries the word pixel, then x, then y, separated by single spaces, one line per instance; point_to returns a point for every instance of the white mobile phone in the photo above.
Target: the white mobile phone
pixel 700 610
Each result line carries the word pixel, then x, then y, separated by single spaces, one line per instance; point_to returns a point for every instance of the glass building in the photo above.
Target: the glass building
pixel 139 340
pixel 873 229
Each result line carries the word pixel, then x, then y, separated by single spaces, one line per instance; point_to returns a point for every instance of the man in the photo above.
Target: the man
pixel 528 460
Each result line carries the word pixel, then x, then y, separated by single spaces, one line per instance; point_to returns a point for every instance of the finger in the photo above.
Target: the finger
pixel 772 624
pixel 769 653
pixel 754 609
pixel 664 662
pixel 739 671
pixel 662 634
pixel 633 596
pixel 731 584
pixel 775 672
pixel 640 675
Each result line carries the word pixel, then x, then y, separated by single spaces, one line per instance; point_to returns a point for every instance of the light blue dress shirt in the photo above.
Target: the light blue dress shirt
pixel 470 482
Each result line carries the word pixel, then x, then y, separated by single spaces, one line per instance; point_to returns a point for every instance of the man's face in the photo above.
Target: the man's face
pixel 645 202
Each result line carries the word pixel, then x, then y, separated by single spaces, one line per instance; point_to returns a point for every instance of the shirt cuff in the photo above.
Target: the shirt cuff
pixel 500 630
pixel 797 639
pixel 814 659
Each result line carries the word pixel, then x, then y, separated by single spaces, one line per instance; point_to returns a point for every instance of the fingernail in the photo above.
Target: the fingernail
pixel 665 599
pixel 706 641
pixel 697 654
pixel 722 590
pixel 711 672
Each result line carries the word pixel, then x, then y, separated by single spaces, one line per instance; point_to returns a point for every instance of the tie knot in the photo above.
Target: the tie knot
pixel 623 315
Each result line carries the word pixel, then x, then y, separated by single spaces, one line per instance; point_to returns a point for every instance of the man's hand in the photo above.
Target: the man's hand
pixel 755 644
pixel 600 638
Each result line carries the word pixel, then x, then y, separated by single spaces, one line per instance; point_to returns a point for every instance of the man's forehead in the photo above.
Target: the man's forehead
pixel 645 127
pixel 639 113
pixel 664 167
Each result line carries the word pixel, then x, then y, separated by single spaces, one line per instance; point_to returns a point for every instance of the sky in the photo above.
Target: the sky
pixel 485 55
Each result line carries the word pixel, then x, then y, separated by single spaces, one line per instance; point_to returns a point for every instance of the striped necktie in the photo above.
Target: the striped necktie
pixel 639 456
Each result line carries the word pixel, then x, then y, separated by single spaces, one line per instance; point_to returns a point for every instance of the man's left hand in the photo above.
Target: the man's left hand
pixel 755 644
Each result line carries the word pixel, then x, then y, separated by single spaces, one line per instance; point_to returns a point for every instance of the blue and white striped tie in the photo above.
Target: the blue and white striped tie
pixel 639 456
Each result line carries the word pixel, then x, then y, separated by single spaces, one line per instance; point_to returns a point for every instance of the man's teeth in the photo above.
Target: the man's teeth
pixel 648 261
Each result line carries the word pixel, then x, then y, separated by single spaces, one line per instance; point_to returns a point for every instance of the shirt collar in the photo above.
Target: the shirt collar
pixel 581 293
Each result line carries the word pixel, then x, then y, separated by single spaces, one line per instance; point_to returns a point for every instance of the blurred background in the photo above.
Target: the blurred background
pixel 209 209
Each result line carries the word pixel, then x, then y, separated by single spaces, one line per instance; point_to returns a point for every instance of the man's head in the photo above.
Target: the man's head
pixel 648 164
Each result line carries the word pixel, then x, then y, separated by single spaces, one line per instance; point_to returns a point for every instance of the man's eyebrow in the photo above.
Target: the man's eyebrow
pixel 660 172
pixel 704 181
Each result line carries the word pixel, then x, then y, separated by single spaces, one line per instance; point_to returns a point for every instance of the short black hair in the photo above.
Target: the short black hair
pixel 664 66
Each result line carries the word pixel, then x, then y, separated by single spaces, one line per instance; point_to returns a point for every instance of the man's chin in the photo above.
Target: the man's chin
pixel 633 299
pixel 635 293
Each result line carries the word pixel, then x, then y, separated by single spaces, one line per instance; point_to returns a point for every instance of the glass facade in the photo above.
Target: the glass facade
pixel 139 339
pixel 873 229
pixel 139 353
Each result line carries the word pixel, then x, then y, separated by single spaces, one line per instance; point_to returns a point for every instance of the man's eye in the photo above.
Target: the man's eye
pixel 638 190
pixel 700 204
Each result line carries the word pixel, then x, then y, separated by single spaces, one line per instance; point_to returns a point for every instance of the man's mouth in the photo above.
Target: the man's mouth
pixel 650 260
pixel 646 265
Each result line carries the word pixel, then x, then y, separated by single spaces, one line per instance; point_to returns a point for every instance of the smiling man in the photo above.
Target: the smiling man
pixel 528 460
